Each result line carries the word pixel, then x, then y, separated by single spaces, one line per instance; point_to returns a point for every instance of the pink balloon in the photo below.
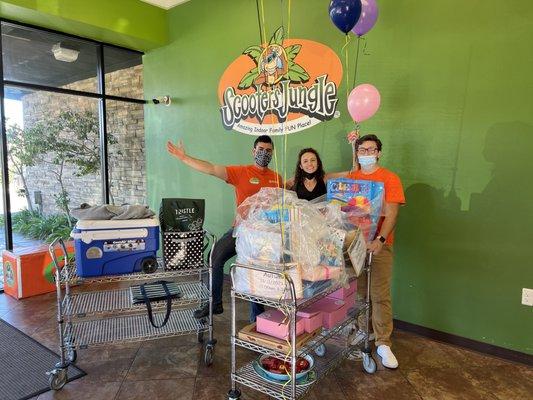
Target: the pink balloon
pixel 363 102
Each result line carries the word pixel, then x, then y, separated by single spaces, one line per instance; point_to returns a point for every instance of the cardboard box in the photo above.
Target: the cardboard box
pixel 343 293
pixel 269 285
pixel 350 301
pixel 275 323
pixel 249 333
pixel 333 311
pixel 312 319
pixel 29 271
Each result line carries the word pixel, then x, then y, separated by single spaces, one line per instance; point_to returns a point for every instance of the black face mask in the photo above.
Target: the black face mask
pixel 262 157
pixel 308 175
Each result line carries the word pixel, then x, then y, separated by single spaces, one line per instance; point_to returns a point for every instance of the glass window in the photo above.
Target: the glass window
pixel 53 139
pixel 43 58
pixel 54 161
pixel 126 155
pixel 123 73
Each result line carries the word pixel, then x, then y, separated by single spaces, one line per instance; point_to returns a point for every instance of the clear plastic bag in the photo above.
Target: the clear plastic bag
pixel 276 230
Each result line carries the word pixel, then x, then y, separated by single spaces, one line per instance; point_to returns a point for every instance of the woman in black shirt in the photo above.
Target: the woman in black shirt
pixel 309 175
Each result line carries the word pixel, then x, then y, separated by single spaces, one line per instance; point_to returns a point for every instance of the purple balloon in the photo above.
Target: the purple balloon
pixel 368 18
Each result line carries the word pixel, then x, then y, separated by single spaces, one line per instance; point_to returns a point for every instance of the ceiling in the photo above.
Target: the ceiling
pixel 166 4
pixel 27 57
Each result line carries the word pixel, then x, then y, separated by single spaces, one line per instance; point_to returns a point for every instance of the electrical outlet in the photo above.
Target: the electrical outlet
pixel 527 297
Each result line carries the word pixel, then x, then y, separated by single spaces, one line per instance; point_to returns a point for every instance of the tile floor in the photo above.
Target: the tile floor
pixel 173 368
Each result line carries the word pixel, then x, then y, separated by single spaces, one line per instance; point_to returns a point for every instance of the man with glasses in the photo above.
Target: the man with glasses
pixel 368 149
pixel 247 180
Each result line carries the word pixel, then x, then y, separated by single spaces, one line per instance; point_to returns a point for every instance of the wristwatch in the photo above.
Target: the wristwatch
pixel 382 239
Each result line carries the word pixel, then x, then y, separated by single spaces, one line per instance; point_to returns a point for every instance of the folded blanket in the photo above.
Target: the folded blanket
pixel 109 211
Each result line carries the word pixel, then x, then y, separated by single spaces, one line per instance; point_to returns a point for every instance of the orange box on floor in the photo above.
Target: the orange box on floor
pixel 29 271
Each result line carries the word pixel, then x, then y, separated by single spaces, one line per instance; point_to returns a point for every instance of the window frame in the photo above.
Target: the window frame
pixel 101 96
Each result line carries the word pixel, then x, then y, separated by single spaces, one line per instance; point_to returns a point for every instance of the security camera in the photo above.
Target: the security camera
pixel 162 100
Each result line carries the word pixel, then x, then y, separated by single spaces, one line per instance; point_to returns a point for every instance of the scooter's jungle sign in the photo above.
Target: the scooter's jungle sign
pixel 281 87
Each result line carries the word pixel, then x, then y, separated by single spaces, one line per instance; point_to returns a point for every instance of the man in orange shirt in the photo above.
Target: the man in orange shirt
pixel 247 180
pixel 368 149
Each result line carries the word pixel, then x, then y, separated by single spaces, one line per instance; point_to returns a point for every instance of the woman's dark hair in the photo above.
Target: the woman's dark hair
pixel 299 172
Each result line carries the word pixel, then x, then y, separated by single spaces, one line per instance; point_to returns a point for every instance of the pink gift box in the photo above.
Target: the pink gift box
pixel 343 293
pixel 275 323
pixel 312 319
pixel 333 311
pixel 350 301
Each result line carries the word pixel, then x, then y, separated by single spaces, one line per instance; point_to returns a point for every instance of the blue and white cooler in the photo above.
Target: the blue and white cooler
pixel 113 247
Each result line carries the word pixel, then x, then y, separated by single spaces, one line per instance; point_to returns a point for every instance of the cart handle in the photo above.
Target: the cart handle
pixel 369 257
pixel 63 248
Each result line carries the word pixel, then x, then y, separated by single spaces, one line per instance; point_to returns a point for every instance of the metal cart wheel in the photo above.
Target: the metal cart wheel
pixel 72 355
pixel 208 355
pixel 321 350
pixel 234 394
pixel 200 336
pixel 57 378
pixel 149 265
pixel 369 364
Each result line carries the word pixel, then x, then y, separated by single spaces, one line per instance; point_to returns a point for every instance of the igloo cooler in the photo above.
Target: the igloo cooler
pixel 113 247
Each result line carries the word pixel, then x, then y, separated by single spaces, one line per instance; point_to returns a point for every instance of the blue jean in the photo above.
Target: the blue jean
pixel 223 250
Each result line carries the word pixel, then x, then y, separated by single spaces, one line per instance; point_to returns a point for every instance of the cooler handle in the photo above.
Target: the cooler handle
pixel 88 236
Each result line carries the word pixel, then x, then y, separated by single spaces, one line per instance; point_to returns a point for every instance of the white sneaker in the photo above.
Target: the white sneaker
pixel 359 336
pixel 387 357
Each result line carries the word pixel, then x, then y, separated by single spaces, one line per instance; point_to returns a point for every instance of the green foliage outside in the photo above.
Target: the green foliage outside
pixel 34 225
pixel 71 138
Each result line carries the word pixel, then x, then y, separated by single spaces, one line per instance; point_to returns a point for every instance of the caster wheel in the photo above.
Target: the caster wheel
pixel 321 350
pixel 234 394
pixel 57 379
pixel 200 337
pixel 369 365
pixel 72 355
pixel 149 265
pixel 208 355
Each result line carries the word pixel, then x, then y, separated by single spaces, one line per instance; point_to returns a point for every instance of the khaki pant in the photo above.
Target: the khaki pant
pixel 380 295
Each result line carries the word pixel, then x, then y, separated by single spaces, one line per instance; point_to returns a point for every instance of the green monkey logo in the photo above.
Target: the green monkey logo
pixel 50 270
pixel 9 274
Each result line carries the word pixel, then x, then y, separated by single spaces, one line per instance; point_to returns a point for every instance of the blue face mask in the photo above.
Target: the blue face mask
pixel 367 162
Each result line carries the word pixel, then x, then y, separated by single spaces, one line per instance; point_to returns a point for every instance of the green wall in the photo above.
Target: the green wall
pixel 457 125
pixel 129 23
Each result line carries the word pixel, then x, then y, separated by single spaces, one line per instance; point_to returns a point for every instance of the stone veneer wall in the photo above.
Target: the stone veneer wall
pixel 125 121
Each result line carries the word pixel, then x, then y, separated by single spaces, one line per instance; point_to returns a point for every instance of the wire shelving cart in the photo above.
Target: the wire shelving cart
pixel 92 318
pixel 328 345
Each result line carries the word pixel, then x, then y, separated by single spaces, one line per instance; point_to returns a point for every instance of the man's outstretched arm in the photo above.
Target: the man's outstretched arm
pixel 178 151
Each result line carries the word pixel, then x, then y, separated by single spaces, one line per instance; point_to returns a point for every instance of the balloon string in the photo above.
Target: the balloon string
pixel 261 38
pixel 289 22
pixel 345 49
pixel 280 204
pixel 356 60
pixel 263 19
pixel 365 53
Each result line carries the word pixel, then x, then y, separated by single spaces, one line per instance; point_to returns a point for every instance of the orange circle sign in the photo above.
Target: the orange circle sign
pixel 281 87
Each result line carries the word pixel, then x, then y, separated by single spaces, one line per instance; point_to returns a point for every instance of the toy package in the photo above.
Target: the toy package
pixel 275 229
pixel 361 202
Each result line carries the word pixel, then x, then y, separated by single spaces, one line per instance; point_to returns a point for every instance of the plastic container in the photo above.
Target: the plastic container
pixel 113 247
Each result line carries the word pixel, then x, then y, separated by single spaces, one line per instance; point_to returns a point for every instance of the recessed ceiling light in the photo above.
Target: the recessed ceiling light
pixel 62 53
pixel 166 4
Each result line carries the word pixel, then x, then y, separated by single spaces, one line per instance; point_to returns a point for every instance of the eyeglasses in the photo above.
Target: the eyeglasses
pixel 367 150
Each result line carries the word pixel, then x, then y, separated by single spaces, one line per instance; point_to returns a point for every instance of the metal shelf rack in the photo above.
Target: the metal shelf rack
pixel 88 318
pixel 87 304
pixel 330 347
pixel 131 328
